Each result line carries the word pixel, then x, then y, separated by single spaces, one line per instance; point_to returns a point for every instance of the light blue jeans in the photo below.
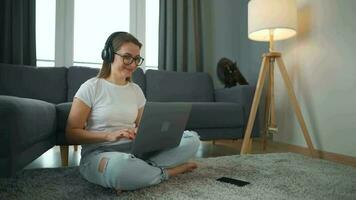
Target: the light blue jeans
pixel 124 171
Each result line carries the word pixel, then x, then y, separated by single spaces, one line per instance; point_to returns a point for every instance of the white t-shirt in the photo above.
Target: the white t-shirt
pixel 113 107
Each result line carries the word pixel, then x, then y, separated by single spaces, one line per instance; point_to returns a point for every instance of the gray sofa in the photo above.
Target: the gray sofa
pixel 35 103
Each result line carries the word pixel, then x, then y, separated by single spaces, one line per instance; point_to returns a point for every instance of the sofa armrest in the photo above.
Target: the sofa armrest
pixel 24 122
pixel 243 95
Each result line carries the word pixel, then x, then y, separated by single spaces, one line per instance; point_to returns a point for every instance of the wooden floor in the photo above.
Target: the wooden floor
pixel 51 158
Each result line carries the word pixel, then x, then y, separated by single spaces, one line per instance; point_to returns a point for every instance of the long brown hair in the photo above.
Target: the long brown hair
pixel 118 39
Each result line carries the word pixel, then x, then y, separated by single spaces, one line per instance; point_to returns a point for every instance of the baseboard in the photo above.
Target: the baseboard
pixel 335 157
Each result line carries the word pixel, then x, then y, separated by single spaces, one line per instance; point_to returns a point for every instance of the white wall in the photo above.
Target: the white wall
pixel 220 33
pixel 321 62
pixel 225 35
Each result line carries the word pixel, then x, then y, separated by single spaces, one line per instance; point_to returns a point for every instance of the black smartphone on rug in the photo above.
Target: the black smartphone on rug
pixel 237 182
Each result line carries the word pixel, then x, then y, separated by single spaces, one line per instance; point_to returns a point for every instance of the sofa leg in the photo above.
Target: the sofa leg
pixel 75 147
pixel 213 142
pixel 64 149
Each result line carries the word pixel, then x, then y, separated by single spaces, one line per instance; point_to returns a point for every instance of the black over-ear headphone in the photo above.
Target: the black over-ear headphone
pixel 107 54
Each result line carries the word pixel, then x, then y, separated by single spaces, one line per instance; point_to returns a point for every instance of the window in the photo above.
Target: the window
pixel 91 30
pixel 45 29
pixel 78 34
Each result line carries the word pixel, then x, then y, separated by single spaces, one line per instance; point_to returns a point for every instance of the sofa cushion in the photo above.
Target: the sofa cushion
pixel 43 83
pixel 165 86
pixel 62 110
pixel 77 76
pixel 206 115
pixel 215 115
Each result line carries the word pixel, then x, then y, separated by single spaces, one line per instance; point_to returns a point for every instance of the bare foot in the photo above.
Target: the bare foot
pixel 183 168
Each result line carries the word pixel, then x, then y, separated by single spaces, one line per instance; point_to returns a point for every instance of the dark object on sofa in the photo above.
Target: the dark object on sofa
pixel 35 103
pixel 229 73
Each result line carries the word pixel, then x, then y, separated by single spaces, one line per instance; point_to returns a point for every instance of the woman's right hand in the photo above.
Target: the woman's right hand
pixel 123 133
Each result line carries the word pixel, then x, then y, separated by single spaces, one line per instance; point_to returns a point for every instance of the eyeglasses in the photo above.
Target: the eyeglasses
pixel 128 60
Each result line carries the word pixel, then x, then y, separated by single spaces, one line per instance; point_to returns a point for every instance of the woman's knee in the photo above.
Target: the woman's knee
pixel 117 169
pixel 131 173
pixel 192 140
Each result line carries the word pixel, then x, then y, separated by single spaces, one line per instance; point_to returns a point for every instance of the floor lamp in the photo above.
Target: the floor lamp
pixel 272 20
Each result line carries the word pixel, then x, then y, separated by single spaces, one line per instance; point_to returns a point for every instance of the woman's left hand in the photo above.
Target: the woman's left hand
pixel 123 133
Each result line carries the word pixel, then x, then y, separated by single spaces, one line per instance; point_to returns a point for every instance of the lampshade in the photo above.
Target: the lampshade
pixel 279 16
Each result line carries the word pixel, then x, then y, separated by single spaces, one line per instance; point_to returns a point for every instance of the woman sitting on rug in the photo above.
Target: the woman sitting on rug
pixel 106 110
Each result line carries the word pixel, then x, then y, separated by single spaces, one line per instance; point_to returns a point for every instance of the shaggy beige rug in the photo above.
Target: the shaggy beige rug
pixel 272 176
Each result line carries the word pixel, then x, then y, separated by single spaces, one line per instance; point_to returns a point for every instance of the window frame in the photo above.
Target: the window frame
pixel 64 31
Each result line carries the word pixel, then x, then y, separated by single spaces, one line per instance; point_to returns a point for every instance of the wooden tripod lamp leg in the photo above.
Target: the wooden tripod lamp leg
pixel 255 102
pixel 267 111
pixel 295 104
pixel 273 125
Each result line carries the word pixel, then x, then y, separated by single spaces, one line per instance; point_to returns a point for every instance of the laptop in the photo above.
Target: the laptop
pixel 161 127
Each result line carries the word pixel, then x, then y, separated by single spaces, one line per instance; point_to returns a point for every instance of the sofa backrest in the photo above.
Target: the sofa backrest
pixel 165 86
pixel 78 75
pixel 43 83
pixel 138 77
